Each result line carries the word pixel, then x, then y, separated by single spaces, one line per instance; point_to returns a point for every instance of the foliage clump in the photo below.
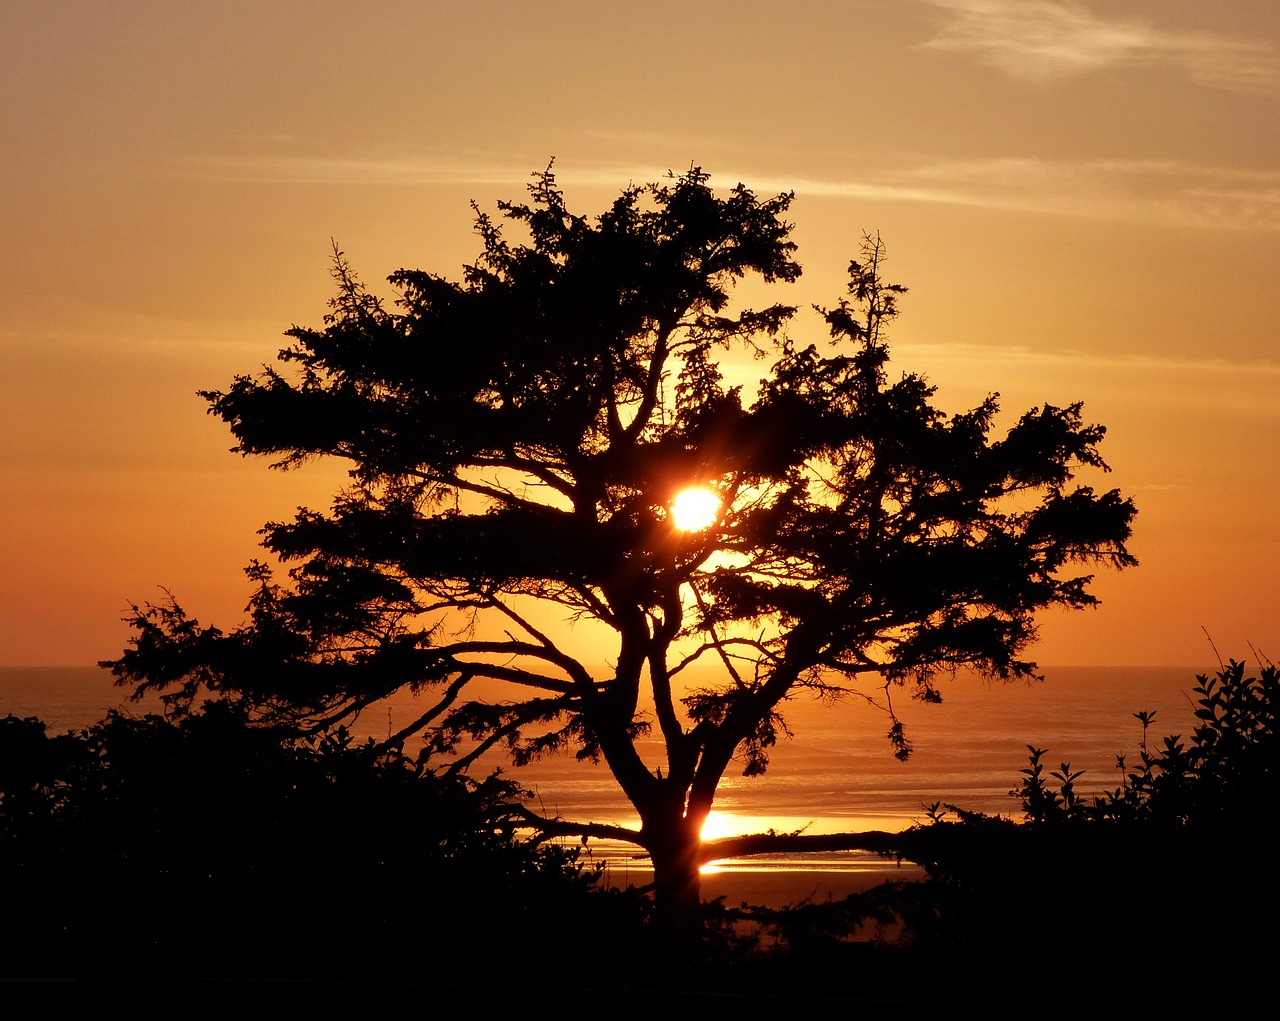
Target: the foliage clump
pixel 1172 864
pixel 1217 778
pixel 213 848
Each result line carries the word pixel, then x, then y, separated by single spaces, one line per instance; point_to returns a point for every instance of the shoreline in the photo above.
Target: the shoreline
pixel 778 888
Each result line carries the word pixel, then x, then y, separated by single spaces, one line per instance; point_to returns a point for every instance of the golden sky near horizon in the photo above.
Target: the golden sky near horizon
pixel 1083 198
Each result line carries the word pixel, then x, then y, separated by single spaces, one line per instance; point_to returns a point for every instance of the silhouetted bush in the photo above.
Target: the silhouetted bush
pixel 1167 878
pixel 206 846
pixel 1221 779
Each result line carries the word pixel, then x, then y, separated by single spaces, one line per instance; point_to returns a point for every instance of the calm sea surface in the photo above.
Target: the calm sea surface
pixel 836 773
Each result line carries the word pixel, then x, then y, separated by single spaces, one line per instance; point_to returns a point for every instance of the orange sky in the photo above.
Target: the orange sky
pixel 1083 198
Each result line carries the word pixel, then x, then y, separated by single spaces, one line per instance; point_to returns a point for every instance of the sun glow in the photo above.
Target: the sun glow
pixel 695 509
pixel 721 824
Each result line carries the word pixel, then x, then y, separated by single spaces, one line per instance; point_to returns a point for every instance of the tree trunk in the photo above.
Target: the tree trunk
pixel 673 847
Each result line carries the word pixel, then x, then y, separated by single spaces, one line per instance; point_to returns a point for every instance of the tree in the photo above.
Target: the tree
pixel 517 440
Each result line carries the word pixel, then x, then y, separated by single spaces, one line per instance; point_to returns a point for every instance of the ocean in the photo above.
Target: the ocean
pixel 835 773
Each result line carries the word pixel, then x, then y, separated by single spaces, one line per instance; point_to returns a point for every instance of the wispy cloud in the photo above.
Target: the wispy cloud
pixel 277 161
pixel 1242 388
pixel 1164 192
pixel 1057 38
pixel 377 169
pixel 1119 364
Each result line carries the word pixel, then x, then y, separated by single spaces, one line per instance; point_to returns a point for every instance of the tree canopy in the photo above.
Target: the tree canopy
pixel 517 439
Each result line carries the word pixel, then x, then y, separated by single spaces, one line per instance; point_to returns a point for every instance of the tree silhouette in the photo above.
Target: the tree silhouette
pixel 517 439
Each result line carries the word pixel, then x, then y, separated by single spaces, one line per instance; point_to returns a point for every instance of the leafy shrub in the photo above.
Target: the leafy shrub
pixel 1167 877
pixel 214 847
pixel 1223 776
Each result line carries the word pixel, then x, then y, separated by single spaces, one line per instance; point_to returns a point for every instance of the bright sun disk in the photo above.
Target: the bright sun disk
pixel 695 509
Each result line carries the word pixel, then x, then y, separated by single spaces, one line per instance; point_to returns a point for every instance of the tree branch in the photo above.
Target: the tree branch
pixel 879 841
pixel 561 828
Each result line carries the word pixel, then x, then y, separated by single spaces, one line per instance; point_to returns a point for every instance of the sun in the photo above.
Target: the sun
pixel 695 509
pixel 721 824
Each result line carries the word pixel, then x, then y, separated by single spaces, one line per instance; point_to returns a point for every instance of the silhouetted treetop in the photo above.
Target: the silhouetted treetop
pixel 542 357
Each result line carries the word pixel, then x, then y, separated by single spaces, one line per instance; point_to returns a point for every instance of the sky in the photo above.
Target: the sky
pixel 1083 199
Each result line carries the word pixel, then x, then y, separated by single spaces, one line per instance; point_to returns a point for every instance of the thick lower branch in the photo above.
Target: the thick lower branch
pixel 562 828
pixel 879 841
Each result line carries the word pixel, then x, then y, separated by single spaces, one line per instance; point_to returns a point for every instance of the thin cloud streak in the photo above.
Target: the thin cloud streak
pixel 1166 193
pixel 1248 388
pixel 348 170
pixel 1097 362
pixel 1240 388
pixel 399 169
pixel 1047 39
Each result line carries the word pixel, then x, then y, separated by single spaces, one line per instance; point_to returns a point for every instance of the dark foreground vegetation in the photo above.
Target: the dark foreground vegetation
pixel 202 849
